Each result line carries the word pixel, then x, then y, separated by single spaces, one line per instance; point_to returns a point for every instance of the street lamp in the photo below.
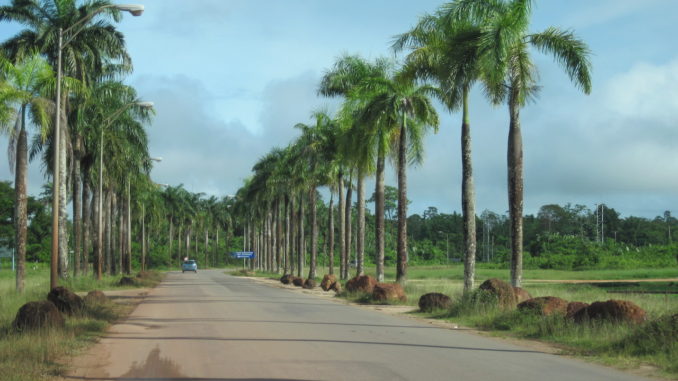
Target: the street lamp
pixel 135 10
pixel 108 122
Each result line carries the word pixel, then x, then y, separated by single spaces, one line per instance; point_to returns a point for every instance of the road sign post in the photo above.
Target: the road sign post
pixel 244 255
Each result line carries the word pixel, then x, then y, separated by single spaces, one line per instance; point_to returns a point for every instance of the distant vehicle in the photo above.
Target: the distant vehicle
pixel 189 265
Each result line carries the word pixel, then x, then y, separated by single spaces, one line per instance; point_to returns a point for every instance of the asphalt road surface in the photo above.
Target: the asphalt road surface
pixel 213 326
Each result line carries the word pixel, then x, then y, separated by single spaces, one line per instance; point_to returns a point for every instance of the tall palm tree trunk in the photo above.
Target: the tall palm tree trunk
pixel 207 243
pixel 314 235
pixel 293 230
pixel 330 216
pixel 401 271
pixel 360 268
pixel 77 211
pixel 349 201
pixel 87 218
pixel 468 199
pixel 342 228
pixel 108 222
pixel 21 203
pixel 286 266
pixel 379 215
pixel 63 201
pixel 169 255
pixel 128 269
pixel 99 239
pixel 119 227
pixel 279 236
pixel 515 187
pixel 302 248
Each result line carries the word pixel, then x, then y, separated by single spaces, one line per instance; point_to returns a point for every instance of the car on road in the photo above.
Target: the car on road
pixel 189 265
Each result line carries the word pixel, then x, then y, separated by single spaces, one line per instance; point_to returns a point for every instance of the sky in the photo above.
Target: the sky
pixel 230 79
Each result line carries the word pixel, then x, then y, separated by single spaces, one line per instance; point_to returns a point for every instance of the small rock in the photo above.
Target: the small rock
pixel 506 297
pixel 434 301
pixel 573 308
pixel 299 282
pixel 545 305
pixel 95 297
pixel 362 283
pixel 384 292
pixel 65 300
pixel 328 281
pixel 286 279
pixel 612 310
pixel 309 283
pixel 38 315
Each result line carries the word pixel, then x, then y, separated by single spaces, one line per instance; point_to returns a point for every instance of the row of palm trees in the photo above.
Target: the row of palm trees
pixel 101 119
pixel 386 111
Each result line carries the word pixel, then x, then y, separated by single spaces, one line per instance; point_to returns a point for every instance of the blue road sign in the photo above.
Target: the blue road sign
pixel 243 254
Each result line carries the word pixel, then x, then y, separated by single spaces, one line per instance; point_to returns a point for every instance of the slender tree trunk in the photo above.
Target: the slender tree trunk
pixel 278 240
pixel 330 216
pixel 143 237
pixel 119 208
pixel 128 269
pixel 294 233
pixel 468 200
pixel 87 219
pixel 269 238
pixel 302 248
pixel 360 268
pixel 21 202
pixel 515 186
pixel 171 227
pixel 401 271
pixel 379 216
pixel 63 202
pixel 349 201
pixel 77 210
pixel 314 234
pixel 342 229
pixel 207 238
pixel 99 239
pixel 108 221
pixel 286 268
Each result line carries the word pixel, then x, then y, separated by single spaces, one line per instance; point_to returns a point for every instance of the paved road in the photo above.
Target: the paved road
pixel 212 326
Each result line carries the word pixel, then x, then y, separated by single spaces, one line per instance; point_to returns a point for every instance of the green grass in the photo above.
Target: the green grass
pixel 35 355
pixel 620 345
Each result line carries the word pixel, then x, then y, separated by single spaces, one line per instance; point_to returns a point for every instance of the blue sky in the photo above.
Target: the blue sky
pixel 230 78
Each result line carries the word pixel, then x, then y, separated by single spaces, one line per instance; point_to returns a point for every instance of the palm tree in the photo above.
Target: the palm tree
pixel 504 54
pixel 344 79
pixel 404 111
pixel 446 52
pixel 23 88
pixel 85 56
pixel 314 145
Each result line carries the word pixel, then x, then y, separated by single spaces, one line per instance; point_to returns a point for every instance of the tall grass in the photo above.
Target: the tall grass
pixel 35 355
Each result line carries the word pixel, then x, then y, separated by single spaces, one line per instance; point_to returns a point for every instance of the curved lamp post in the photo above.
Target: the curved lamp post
pixel 72 31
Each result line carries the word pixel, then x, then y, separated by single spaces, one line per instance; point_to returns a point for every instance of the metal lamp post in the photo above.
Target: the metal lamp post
pixel 135 10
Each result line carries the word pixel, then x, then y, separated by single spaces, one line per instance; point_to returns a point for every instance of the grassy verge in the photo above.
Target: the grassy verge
pixel 34 355
pixel 654 343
